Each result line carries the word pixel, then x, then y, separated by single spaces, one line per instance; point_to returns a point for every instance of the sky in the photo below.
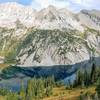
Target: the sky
pixel 75 5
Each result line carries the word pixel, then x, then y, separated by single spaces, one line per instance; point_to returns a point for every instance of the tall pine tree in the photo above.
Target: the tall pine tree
pixel 93 73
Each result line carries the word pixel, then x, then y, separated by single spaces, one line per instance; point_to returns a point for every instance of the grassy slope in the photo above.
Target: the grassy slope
pixel 2 98
pixel 2 66
pixel 64 94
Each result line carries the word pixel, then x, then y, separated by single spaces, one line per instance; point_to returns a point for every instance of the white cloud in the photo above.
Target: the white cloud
pixel 72 4
pixel 85 3
pixel 61 4
pixel 38 4
pixel 43 3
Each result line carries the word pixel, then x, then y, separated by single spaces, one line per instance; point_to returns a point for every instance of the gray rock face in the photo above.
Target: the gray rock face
pixel 90 18
pixel 1 60
pixel 48 18
pixel 48 37
pixel 59 48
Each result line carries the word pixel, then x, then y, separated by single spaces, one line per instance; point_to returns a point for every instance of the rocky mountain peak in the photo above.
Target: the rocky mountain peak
pixel 50 36
pixel 51 7
pixel 47 18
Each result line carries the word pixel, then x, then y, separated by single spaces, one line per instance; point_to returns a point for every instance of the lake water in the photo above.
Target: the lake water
pixel 12 77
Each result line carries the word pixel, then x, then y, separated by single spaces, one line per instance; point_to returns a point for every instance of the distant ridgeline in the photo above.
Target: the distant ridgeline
pixel 57 36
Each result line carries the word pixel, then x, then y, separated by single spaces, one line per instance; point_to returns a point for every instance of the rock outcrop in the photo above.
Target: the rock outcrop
pixel 47 37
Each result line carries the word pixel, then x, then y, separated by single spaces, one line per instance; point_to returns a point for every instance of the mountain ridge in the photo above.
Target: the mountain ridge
pixel 32 18
pixel 50 36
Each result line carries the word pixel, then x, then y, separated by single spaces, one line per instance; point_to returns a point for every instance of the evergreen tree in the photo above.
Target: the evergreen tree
pixel 40 88
pixel 49 85
pixel 79 79
pixel 13 96
pixel 98 88
pixel 22 91
pixel 29 91
pixel 93 73
pixel 48 91
pixel 34 87
pixel 86 78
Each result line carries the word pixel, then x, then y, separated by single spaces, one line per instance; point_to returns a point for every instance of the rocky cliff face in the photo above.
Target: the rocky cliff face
pixel 48 37
pixel 90 18
pixel 54 47
pixel 48 18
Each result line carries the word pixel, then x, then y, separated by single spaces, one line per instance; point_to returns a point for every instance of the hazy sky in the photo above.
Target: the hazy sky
pixel 75 5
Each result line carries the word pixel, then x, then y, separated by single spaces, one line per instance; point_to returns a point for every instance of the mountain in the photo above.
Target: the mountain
pixel 90 18
pixel 48 37
pixel 11 12
pixel 47 18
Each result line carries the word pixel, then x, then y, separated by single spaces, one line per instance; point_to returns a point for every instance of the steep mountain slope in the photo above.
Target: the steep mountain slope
pixel 10 39
pixel 48 18
pixel 53 18
pixel 90 18
pixel 50 36
pixel 11 12
pixel 54 47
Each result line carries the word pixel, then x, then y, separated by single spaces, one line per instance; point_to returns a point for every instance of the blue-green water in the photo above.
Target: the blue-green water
pixel 12 77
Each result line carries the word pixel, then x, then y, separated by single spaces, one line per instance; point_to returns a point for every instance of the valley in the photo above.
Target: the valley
pixel 49 54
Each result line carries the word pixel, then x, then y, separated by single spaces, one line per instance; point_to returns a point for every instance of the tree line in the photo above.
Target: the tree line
pixel 87 78
pixel 37 88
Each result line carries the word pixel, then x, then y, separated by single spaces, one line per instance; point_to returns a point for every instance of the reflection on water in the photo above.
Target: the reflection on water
pixel 12 77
